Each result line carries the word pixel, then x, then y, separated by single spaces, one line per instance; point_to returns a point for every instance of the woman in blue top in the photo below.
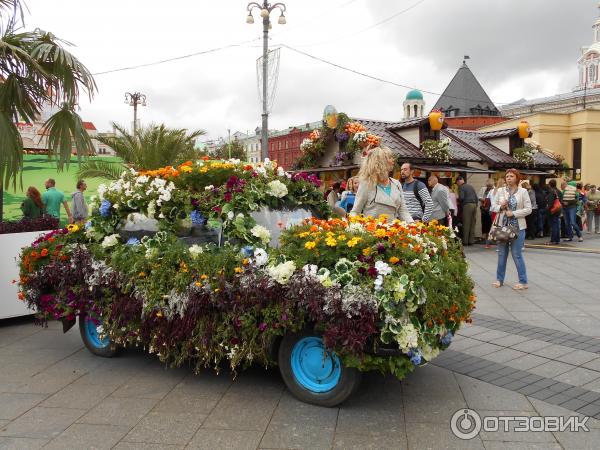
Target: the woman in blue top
pixel 349 195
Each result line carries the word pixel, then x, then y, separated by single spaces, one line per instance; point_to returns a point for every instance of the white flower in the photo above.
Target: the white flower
pixel 407 338
pixel 383 268
pixel 414 262
pixel 378 282
pixel 428 352
pixel 260 257
pixel 141 179
pixel 261 171
pixel 280 171
pixel 164 196
pixel 262 233
pixel 195 250
pixel 268 164
pixel 230 215
pixel 151 208
pixel 101 191
pixel 151 252
pixel 310 270
pixel 306 143
pixel 356 227
pixel 282 272
pixel 240 216
pixel 209 187
pixel 110 241
pixel 277 189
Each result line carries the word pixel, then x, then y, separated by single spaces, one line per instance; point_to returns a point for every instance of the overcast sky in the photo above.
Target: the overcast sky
pixel 518 48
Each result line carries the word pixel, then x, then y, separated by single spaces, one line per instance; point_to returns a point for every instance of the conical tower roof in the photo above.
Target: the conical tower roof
pixel 465 96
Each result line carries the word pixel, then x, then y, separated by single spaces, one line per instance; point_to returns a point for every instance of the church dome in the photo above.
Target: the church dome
pixel 415 94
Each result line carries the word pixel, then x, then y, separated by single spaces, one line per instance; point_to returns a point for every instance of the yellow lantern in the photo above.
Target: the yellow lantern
pixel 436 119
pixel 524 130
pixel 330 116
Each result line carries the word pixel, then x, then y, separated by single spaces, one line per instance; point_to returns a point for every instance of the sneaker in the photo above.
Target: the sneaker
pixel 567 240
pixel 580 239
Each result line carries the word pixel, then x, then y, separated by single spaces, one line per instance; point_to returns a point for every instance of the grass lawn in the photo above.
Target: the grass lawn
pixel 36 170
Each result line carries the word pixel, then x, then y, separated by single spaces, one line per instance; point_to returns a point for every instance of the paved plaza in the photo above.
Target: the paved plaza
pixel 529 353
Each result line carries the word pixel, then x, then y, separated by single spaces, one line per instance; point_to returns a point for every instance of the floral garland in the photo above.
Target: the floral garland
pixel 362 283
pixel 439 151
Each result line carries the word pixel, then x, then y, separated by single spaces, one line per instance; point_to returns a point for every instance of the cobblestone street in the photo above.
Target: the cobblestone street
pixel 528 353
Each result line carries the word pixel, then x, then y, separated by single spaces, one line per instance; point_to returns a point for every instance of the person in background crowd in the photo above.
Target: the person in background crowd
pixel 440 199
pixel 53 198
pixel 570 197
pixel 80 209
pixel 532 218
pixel 416 195
pixel 581 201
pixel 378 193
pixel 592 206
pixel 468 204
pixel 513 204
pixel 349 195
pixel 453 205
pixel 492 198
pixel 542 204
pixel 333 195
pixel 553 194
pixel 32 206
pixel 484 207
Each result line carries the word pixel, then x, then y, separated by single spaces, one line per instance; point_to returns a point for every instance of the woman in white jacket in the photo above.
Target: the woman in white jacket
pixel 513 204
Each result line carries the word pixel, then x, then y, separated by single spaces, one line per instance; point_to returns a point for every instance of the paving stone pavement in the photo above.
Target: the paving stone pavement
pixel 527 353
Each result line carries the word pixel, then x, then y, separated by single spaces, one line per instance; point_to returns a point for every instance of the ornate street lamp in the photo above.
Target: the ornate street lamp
pixel 265 11
pixel 134 100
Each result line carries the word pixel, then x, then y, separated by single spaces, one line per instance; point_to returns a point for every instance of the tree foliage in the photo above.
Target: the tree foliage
pixel 233 150
pixel 151 147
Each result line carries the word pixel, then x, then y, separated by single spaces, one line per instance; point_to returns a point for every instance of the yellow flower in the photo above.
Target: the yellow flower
pixel 310 245
pixel 245 261
pixel 380 233
pixel 394 260
pixel 342 237
pixel 158 314
pixel 331 242
pixel 203 170
pixel 352 242
pixel 304 234
pixel 197 283
pixel 183 267
pixel 367 251
pixel 203 277
pixel 238 270
pixel 71 228
pixel 142 274
pixel 185 169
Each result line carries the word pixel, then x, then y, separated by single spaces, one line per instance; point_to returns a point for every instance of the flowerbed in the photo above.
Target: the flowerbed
pixel 362 283
pixel 27 225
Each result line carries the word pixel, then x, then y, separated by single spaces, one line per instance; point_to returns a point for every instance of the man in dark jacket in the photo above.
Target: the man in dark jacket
pixel 468 202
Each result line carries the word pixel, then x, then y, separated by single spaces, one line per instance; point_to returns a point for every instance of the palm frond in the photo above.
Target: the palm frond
pixel 11 153
pixel 65 133
pixel 97 168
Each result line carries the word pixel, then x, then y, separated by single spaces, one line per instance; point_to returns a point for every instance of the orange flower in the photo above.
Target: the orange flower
pixel 205 158
pixel 21 296
pixel 394 260
pixel 44 252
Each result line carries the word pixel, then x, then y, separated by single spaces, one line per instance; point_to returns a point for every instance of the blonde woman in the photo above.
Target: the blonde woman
pixel 349 195
pixel 378 193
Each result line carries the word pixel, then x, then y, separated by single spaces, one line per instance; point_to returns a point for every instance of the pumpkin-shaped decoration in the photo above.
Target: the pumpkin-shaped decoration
pixel 436 119
pixel 330 116
pixel 524 129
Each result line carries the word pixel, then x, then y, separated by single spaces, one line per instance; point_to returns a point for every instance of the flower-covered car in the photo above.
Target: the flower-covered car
pixel 218 262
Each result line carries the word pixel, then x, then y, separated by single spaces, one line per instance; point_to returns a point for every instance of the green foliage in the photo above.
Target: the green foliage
pixel 234 150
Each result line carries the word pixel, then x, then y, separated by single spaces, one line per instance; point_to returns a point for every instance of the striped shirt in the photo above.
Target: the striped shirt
pixel 413 204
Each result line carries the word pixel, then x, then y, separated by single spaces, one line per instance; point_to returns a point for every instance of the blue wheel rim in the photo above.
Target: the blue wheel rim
pixel 315 368
pixel 93 331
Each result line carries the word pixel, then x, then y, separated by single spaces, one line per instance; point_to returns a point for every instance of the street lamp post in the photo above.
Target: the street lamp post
pixel 265 12
pixel 134 100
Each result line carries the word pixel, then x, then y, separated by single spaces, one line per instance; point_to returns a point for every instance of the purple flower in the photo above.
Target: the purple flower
pixel 284 317
pixel 262 327
pixel 372 272
pixel 380 248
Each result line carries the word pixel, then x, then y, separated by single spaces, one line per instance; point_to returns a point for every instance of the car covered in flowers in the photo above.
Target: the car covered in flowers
pixel 215 263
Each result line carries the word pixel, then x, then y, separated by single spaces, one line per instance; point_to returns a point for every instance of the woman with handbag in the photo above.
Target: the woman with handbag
pixel 378 193
pixel 554 210
pixel 512 205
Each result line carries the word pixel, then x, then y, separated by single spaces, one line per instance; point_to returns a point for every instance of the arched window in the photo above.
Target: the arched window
pixel 408 111
pixel 416 115
pixel 592 73
pixel 421 110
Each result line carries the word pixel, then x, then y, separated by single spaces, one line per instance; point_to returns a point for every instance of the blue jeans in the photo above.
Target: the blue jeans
pixel 542 213
pixel 571 221
pixel 555 228
pixel 516 249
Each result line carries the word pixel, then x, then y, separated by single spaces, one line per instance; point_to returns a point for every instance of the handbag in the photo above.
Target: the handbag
pixel 556 206
pixel 502 234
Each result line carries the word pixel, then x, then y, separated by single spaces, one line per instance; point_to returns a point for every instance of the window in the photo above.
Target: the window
pixel 415 108
pixel 287 144
pixel 279 145
pixel 576 154
pixel 592 73
pixel 408 111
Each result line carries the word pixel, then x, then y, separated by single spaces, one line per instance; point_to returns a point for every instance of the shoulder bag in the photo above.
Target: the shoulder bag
pixel 502 234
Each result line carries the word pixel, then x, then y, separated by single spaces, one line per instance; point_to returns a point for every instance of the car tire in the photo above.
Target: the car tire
pixel 90 334
pixel 312 373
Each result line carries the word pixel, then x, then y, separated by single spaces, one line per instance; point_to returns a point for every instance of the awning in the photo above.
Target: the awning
pixel 534 172
pixel 451 169
pixel 326 169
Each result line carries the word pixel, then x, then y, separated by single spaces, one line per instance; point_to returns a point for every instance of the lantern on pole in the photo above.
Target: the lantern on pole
pixel 330 116
pixel 524 130
pixel 436 120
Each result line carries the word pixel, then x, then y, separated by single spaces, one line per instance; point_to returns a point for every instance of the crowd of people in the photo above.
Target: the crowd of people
pixel 49 203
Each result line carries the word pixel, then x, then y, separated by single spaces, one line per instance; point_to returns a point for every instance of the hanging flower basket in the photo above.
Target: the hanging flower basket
pixel 525 155
pixel 439 151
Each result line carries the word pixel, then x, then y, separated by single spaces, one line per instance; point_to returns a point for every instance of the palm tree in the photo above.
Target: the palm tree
pixel 150 147
pixel 37 71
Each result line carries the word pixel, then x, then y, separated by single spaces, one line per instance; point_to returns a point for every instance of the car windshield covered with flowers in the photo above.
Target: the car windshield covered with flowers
pixel 224 264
